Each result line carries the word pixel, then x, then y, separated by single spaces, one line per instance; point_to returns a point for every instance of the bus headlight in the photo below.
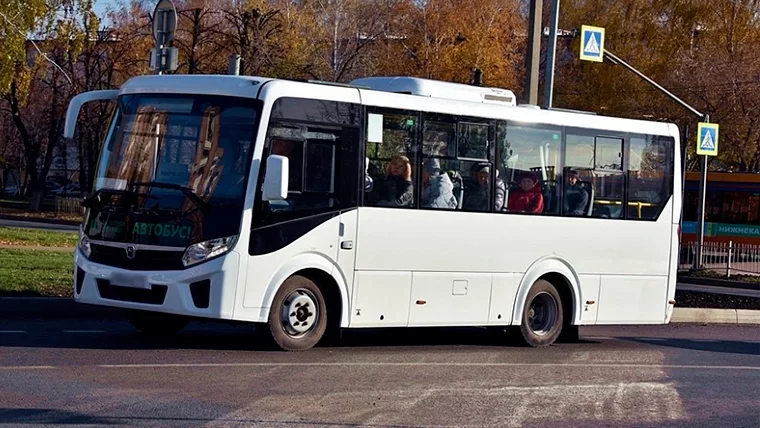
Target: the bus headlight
pixel 84 244
pixel 202 251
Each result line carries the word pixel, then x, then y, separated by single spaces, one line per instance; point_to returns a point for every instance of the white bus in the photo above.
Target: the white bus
pixel 309 207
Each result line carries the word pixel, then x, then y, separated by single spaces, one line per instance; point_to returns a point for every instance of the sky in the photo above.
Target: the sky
pixel 100 7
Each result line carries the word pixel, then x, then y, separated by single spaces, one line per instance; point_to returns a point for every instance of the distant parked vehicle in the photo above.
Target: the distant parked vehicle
pixel 11 191
pixel 69 190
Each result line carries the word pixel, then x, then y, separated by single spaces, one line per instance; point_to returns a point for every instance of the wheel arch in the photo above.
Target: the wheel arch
pixel 319 269
pixel 560 273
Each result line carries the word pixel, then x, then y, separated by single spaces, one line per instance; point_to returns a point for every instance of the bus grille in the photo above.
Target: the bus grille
pixel 143 259
pixel 153 296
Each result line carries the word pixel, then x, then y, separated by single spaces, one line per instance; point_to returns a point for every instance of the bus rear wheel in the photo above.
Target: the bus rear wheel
pixel 542 316
pixel 298 317
pixel 157 324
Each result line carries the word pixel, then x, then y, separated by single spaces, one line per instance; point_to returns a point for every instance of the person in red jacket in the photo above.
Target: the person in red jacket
pixel 528 197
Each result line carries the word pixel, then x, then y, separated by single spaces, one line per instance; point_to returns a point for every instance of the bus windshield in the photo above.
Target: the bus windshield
pixel 179 160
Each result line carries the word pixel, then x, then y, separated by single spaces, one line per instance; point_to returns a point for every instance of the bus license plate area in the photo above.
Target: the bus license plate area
pixel 131 281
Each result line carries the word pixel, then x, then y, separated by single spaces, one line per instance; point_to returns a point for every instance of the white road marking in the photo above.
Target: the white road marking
pixel 12 331
pixel 429 364
pixel 84 331
pixel 28 367
pixel 507 406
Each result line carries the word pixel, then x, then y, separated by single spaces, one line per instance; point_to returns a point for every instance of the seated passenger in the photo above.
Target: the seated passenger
pixel 576 197
pixel 477 189
pixel 437 188
pixel 528 197
pixel 397 190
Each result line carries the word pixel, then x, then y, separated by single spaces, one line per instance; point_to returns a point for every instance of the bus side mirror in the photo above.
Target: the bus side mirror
pixel 276 179
pixel 76 104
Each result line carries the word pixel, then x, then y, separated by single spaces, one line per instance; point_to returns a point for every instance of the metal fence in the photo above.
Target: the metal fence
pixel 69 206
pixel 726 257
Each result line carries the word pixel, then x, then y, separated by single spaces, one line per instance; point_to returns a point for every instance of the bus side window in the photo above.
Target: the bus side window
pixel 391 158
pixel 438 157
pixel 650 176
pixel 530 155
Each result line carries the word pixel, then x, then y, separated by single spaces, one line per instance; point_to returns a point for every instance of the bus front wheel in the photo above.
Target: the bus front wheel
pixel 298 317
pixel 542 316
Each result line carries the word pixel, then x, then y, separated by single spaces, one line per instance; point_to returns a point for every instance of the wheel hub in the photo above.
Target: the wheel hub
pixel 299 313
pixel 542 313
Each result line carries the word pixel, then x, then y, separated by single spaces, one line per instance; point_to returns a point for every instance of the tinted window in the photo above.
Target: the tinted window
pixel 323 161
pixel 650 176
pixel 311 164
pixel 321 111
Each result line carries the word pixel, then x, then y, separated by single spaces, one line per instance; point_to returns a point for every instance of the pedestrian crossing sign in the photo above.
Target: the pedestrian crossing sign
pixel 592 43
pixel 707 139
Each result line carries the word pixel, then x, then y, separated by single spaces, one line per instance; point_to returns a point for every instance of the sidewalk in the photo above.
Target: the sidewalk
pixel 38 223
pixel 717 282
pixel 712 289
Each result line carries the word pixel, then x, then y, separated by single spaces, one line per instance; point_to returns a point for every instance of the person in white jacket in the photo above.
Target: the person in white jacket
pixel 437 188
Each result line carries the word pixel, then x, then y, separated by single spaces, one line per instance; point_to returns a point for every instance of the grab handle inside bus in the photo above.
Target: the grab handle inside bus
pixel 276 178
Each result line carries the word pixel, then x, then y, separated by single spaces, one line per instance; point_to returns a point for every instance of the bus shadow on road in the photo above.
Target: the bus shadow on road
pixel 212 336
pixel 436 336
pixel 50 416
pixel 708 345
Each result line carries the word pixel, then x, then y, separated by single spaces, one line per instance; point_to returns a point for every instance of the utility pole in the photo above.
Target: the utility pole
pixel 533 53
pixel 551 54
pixel 701 205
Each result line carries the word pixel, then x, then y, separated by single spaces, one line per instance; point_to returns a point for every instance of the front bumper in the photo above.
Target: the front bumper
pixel 206 290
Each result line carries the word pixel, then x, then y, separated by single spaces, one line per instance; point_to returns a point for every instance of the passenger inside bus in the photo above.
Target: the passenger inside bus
pixel 528 197
pixel 576 196
pixel 396 189
pixel 477 188
pixel 437 188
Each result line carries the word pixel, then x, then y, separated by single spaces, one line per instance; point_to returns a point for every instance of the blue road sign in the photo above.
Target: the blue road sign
pixel 592 43
pixel 707 139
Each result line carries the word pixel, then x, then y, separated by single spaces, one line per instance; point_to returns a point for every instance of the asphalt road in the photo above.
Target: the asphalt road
pixel 88 373
pixel 38 225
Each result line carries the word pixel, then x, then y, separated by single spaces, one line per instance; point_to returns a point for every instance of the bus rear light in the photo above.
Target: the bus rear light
pixel 671 302
pixel 590 302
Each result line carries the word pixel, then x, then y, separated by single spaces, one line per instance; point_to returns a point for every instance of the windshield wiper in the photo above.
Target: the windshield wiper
pixel 90 201
pixel 188 192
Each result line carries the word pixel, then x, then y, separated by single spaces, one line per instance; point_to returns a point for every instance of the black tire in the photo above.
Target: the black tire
pixel 157 324
pixel 542 317
pixel 298 316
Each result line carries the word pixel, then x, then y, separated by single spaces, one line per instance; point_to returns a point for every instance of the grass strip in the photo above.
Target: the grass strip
pixel 35 237
pixel 26 272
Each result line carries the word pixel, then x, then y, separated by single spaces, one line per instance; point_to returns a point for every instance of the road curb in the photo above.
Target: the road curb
pixel 715 316
pixel 40 220
pixel 54 308
pixel 67 308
